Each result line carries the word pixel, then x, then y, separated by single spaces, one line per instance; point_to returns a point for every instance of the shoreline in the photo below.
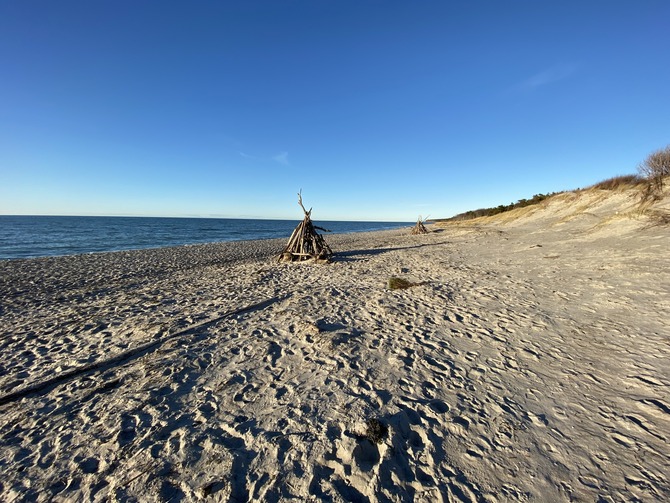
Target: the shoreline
pixel 15 273
pixel 67 245
pixel 525 362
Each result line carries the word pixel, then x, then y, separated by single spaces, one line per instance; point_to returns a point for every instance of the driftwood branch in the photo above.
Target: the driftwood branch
pixel 420 228
pixel 307 213
pixel 305 243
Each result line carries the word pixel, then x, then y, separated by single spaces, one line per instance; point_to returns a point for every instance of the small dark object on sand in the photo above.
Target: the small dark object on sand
pixel 376 431
pixel 399 283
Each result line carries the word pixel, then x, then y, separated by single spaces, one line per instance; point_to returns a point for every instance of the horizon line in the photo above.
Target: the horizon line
pixel 210 217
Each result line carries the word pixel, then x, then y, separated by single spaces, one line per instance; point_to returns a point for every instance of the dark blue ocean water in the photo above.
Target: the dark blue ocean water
pixel 41 236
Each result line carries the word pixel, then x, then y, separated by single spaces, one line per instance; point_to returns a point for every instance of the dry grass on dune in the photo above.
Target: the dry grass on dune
pixel 648 186
pixel 622 182
pixel 616 199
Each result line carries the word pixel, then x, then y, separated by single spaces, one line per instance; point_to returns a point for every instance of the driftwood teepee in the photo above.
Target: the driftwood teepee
pixel 305 243
pixel 419 228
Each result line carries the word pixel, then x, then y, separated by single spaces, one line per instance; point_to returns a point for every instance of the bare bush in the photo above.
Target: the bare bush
pixel 655 168
pixel 659 219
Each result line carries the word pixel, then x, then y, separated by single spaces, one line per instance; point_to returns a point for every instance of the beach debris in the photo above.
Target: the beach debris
pixel 305 243
pixel 375 431
pixel 420 228
pixel 395 283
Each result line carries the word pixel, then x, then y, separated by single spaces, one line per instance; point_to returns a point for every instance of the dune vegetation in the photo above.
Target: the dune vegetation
pixel 650 180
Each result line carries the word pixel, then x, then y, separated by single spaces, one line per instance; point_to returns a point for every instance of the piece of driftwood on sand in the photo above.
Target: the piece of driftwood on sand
pixel 305 243
pixel 419 228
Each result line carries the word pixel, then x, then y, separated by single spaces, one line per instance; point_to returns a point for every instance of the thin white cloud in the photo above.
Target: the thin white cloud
pixel 282 158
pixel 548 76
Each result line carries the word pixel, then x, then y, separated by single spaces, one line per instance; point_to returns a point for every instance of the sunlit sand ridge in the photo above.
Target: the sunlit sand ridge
pixel 530 360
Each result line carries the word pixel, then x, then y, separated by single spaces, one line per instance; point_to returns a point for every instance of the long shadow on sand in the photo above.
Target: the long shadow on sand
pixel 126 356
pixel 353 255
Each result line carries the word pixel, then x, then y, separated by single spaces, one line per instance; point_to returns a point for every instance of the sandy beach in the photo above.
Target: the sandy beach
pixel 530 361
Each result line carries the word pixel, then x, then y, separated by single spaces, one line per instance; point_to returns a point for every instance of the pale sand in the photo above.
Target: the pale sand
pixel 532 363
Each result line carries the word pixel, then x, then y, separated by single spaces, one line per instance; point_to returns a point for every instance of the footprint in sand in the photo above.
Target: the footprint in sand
pixel 459 426
pixel 206 410
pixel 458 491
pixel 89 465
pixel 275 352
pixel 435 364
pixel 477 372
pixel 240 397
pixel 280 392
pixel 537 419
pixel 408 358
pixel 655 406
pixel 127 433
pixel 366 455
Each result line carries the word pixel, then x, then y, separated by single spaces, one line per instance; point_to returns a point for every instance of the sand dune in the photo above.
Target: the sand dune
pixel 530 362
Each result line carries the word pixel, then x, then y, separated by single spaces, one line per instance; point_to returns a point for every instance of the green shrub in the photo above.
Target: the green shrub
pixel 502 208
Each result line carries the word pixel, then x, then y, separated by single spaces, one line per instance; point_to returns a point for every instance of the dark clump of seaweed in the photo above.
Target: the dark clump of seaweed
pixel 376 431
pixel 399 283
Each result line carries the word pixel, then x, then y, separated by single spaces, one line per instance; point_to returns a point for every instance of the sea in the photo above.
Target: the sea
pixel 44 236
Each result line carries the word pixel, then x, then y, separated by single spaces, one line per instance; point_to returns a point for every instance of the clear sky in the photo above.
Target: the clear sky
pixel 377 110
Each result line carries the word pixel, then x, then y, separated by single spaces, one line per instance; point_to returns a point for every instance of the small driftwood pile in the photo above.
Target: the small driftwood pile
pixel 419 228
pixel 305 243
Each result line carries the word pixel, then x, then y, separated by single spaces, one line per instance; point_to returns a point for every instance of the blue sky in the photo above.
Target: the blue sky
pixel 377 110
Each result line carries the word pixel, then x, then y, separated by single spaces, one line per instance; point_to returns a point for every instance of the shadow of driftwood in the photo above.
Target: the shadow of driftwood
pixel 126 356
pixel 352 255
